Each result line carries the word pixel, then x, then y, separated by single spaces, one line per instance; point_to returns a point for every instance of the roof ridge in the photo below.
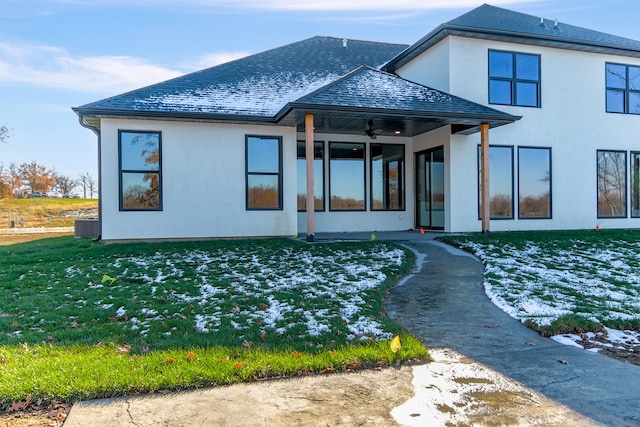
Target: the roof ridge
pixel 497 23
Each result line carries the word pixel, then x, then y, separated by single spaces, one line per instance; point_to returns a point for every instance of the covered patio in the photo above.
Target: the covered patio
pixel 375 103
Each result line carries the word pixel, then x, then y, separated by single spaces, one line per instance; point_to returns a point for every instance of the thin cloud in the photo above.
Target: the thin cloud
pixel 305 5
pixel 213 59
pixel 54 67
pixel 328 5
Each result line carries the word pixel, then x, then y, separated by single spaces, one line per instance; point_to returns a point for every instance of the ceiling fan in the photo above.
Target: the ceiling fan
pixel 369 131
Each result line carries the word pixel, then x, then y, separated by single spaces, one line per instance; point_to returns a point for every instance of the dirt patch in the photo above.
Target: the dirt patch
pixel 53 415
pixel 12 239
pixel 626 349
pixel 630 355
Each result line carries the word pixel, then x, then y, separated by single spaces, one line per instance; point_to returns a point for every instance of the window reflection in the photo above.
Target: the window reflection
pixel 140 187
pixel 612 184
pixel 264 176
pixel 387 177
pixel 318 176
pixel 514 79
pixel 635 184
pixel 623 88
pixel 500 182
pixel 346 176
pixel 534 182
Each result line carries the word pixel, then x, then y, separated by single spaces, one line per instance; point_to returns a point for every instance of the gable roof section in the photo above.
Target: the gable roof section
pixel 254 88
pixel 494 23
pixel 367 93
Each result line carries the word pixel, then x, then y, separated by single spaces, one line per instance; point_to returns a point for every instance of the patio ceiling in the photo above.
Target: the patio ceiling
pixel 393 105
pixel 386 123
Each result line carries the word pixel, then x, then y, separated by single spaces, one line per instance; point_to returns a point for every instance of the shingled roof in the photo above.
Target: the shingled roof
pixel 326 75
pixel 370 92
pixel 255 87
pixel 494 23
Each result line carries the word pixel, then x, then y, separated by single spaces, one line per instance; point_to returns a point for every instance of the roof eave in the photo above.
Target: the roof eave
pixel 446 30
pixel 174 115
pixel 435 36
pixel 449 117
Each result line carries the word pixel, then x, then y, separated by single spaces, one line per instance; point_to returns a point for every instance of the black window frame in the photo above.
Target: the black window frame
pixel 626 91
pixel 514 80
pixel 632 186
pixel 324 155
pixel 479 182
pixel 401 180
pixel 248 173
pixel 625 186
pixel 550 183
pixel 122 171
pixel 364 177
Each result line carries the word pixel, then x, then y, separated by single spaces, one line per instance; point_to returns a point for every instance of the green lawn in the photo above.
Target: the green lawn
pixel 562 282
pixel 82 320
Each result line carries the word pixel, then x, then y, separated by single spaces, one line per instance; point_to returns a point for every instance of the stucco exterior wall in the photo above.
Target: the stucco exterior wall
pixel 430 68
pixel 572 121
pixel 203 183
pixel 203 165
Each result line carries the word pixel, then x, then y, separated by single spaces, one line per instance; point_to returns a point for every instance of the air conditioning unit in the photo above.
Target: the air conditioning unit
pixel 87 227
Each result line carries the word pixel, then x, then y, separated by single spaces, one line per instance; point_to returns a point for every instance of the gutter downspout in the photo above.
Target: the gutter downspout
pixel 99 135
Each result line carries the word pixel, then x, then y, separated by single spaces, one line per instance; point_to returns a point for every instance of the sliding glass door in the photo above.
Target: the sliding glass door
pixel 430 188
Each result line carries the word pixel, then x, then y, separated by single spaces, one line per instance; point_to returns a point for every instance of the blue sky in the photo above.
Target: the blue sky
pixel 57 54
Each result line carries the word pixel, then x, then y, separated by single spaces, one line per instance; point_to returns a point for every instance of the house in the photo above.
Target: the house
pixel 495 120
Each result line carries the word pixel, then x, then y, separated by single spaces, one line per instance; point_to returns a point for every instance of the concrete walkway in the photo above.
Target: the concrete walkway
pixel 445 306
pixel 511 374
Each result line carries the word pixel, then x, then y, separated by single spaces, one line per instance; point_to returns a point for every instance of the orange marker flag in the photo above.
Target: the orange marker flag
pixel 422 230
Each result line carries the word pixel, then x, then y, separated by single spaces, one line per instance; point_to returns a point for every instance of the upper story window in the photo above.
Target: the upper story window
pixel 140 170
pixel 514 78
pixel 623 88
pixel 264 172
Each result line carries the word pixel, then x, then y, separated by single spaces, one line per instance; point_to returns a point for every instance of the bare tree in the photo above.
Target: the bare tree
pixel 65 184
pixel 36 177
pixel 91 184
pixel 4 133
pixel 86 182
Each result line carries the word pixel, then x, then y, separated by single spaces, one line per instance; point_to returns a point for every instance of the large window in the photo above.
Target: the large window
pixel 264 172
pixel 534 182
pixel 514 79
pixel 500 182
pixel 140 170
pixel 346 176
pixel 635 184
pixel 387 177
pixel 318 176
pixel 612 184
pixel 623 88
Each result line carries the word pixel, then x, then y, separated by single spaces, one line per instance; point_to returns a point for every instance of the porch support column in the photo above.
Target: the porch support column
pixel 485 202
pixel 311 223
